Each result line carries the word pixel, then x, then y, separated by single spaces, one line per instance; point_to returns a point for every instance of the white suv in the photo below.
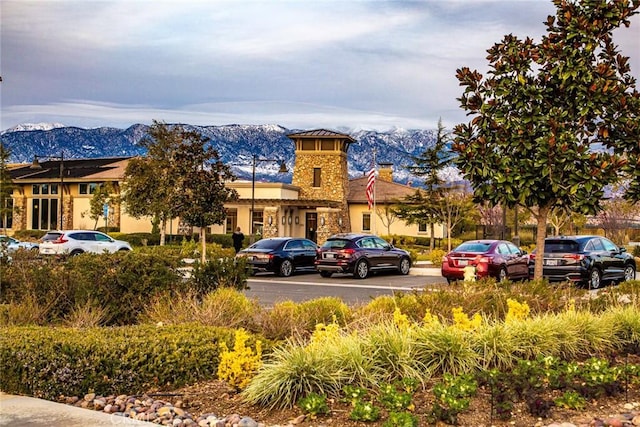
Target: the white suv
pixel 75 242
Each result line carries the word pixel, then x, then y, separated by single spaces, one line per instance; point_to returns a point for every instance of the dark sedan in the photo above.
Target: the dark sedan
pixel 586 260
pixel 486 258
pixel 280 255
pixel 360 254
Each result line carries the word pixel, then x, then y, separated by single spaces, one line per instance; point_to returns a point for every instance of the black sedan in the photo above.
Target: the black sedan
pixel 360 254
pixel 280 255
pixel 586 260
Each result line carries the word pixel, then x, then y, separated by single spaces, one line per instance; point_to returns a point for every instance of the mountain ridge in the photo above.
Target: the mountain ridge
pixel 236 144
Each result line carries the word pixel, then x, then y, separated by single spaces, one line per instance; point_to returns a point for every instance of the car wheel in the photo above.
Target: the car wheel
pixel 595 279
pixel 286 268
pixel 405 266
pixel 361 271
pixel 326 273
pixel 502 275
pixel 123 250
pixel 629 272
pixel 75 252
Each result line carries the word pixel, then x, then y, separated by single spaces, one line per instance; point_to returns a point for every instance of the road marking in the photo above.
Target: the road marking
pixel 341 285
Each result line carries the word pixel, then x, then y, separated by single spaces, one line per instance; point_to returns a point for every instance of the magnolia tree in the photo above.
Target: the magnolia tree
pixel 542 115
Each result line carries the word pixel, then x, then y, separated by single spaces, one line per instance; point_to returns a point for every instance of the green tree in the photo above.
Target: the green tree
pixel 202 177
pixel 545 108
pixel 429 206
pixel 6 187
pixel 104 195
pixel 150 183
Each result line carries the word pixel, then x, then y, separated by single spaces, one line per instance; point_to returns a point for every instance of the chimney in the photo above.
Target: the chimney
pixel 386 171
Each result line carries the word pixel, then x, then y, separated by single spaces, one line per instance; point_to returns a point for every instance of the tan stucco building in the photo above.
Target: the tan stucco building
pixel 320 201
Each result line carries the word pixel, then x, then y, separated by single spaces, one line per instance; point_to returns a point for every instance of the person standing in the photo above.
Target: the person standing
pixel 238 238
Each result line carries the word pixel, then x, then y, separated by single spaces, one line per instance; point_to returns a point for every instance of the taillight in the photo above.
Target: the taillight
pixel 482 259
pixel 346 253
pixel 60 240
pixel 532 257
pixel 575 257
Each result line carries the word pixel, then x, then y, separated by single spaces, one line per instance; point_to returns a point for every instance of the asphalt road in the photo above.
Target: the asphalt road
pixel 270 289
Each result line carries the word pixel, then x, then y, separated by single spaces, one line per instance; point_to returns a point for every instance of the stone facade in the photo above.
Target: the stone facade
pixel 321 173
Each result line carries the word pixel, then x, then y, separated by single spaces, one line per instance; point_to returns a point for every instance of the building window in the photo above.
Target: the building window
pixel 44 214
pixel 257 222
pixel 422 227
pixel 316 177
pixel 89 188
pixel 366 222
pixel 308 145
pixel 327 146
pixel 232 221
pixel 6 220
pixel 35 189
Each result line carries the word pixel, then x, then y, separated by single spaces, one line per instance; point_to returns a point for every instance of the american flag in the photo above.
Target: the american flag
pixel 371 181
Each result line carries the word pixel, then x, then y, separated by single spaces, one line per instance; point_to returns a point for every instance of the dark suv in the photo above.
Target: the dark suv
pixel 587 260
pixel 360 254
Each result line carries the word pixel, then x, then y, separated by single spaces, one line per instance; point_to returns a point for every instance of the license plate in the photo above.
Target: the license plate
pixel 329 255
pixel 550 262
pixel 463 262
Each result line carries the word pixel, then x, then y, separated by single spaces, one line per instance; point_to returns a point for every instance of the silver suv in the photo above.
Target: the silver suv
pixel 75 242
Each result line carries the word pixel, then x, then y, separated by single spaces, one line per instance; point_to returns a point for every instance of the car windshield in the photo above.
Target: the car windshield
pixel 335 244
pixel 266 244
pixel 478 247
pixel 561 246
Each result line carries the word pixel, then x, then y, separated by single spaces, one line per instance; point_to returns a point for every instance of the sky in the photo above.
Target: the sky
pixel 303 64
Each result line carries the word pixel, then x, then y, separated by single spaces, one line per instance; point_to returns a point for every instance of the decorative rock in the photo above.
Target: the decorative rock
pixel 613 422
pixel 247 422
pixel 636 420
pixel 89 397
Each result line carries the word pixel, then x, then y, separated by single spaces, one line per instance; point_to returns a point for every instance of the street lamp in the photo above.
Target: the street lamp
pixel 256 160
pixel 36 165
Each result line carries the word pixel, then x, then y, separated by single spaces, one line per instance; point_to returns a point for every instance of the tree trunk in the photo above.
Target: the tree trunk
pixel 432 237
pixel 541 234
pixel 163 231
pixel 203 239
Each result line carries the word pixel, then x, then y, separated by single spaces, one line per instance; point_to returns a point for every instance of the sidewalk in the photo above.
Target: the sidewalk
pixel 423 268
pixel 23 411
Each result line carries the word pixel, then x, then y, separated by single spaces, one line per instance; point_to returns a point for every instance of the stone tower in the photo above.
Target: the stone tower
pixel 321 173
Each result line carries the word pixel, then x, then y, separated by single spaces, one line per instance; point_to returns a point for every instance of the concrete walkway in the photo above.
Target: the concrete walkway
pixel 23 411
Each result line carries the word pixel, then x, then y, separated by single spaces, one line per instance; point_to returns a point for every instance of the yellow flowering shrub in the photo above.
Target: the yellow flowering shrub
pixel 430 319
pixel 324 334
pixel 462 321
pixel 516 311
pixel 401 320
pixel 238 366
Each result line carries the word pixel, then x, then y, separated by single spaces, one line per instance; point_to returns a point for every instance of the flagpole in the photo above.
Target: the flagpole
pixel 374 193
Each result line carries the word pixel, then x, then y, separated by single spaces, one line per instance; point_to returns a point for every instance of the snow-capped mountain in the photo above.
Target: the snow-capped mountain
pixel 236 144
pixel 33 126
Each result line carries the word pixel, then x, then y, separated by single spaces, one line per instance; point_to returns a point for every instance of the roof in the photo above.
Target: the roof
pixel 98 168
pixel 386 191
pixel 319 133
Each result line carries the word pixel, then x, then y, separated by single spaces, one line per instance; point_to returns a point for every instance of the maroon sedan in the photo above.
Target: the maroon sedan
pixel 486 258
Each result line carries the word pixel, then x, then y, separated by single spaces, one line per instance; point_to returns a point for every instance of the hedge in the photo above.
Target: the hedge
pixel 48 362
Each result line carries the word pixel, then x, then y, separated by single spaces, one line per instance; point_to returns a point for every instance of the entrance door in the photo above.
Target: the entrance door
pixel 311 226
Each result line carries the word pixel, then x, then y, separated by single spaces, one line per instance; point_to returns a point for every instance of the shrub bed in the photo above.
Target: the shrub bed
pixel 48 362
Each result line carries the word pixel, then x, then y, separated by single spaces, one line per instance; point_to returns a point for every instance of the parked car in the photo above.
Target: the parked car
pixel 360 254
pixel 585 260
pixel 51 235
pixel 280 255
pixel 486 258
pixel 9 245
pixel 75 242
